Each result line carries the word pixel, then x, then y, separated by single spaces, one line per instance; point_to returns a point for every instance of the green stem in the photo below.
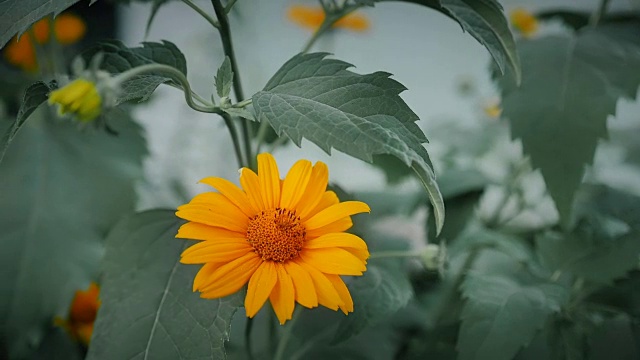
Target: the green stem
pixel 176 75
pixel 229 6
pixel 247 338
pixel 227 45
pixel 599 13
pixel 262 133
pixel 279 141
pixel 328 22
pixel 286 336
pixel 202 13
pixel 391 254
pixel 234 138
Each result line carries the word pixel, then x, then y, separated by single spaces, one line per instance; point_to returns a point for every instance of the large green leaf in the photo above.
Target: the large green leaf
pixel 570 85
pixel 33 97
pixel 62 190
pixel 361 115
pixel 17 15
pixel 119 58
pixel 149 310
pixel 502 314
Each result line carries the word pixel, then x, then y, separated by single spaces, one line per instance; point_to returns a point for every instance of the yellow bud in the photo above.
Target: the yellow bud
pixel 79 98
pixel 523 21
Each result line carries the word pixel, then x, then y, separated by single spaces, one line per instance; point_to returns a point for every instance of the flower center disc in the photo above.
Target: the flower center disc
pixel 276 235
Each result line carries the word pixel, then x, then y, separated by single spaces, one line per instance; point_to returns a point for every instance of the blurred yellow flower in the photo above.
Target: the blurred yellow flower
pixel 80 98
pixel 523 21
pixel 68 29
pixel 312 17
pixel 285 238
pixel 82 314
pixel 492 109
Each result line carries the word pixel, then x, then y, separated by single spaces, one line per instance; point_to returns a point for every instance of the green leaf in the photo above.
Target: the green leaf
pixel 589 255
pixel 148 307
pixel 361 115
pixel 616 339
pixel 576 81
pixel 224 78
pixel 485 21
pixel 119 58
pixel 33 97
pixel 503 313
pixel 380 292
pixel 62 190
pixel 579 19
pixel 243 112
pixel 17 15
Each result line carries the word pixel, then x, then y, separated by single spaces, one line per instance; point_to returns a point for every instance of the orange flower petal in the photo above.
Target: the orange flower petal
pixel 260 286
pixel 69 28
pixel 336 212
pixel 315 190
pixel 336 240
pixel 327 294
pixel 282 297
pixel 233 193
pixel 269 180
pixel 333 261
pixel 251 185
pixel 343 291
pixel 230 277
pixel 203 275
pixel 306 16
pixel 197 231
pixel 295 184
pixel 303 284
pixel 224 218
pixel 336 226
pixel 213 251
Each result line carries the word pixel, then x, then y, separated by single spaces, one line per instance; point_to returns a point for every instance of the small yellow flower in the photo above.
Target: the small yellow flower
pixel 68 29
pixel 285 238
pixel 523 21
pixel 493 109
pixel 82 314
pixel 312 17
pixel 80 98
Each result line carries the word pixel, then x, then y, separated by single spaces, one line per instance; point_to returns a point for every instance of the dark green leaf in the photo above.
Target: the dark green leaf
pixel 34 96
pixel 592 256
pixel 57 344
pixel 119 58
pixel 579 19
pixel 616 339
pixel 17 15
pixel 503 314
pixel 63 189
pixel 148 307
pixel 361 115
pixel 380 292
pixel 224 78
pixel 576 81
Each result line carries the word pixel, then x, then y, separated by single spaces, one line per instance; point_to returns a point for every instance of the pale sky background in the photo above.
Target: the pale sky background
pixel 425 50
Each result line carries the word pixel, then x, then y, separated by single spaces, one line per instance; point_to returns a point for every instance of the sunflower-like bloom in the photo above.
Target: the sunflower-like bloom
pixel 284 237
pixel 82 314
pixel 68 29
pixel 523 21
pixel 312 17
pixel 80 98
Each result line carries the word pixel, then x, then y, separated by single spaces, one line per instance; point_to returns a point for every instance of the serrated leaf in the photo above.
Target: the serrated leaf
pixel 485 21
pixel 576 81
pixel 590 254
pixel 148 307
pixel 17 15
pixel 361 115
pixel 502 314
pixel 62 190
pixel 33 97
pixel 119 58
pixel 245 112
pixel 224 78
pixel 380 292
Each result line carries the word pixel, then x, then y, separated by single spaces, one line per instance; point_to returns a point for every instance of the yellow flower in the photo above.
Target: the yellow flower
pixel 493 109
pixel 82 314
pixel 312 17
pixel 80 98
pixel 68 29
pixel 525 22
pixel 284 237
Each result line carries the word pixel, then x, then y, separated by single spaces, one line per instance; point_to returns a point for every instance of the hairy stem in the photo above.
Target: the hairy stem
pixel 202 13
pixel 227 45
pixel 234 138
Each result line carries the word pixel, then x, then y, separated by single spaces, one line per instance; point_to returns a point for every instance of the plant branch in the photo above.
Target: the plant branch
pixel 284 340
pixel 202 13
pixel 234 138
pixel 229 6
pixel 175 75
pixel 599 13
pixel 227 45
